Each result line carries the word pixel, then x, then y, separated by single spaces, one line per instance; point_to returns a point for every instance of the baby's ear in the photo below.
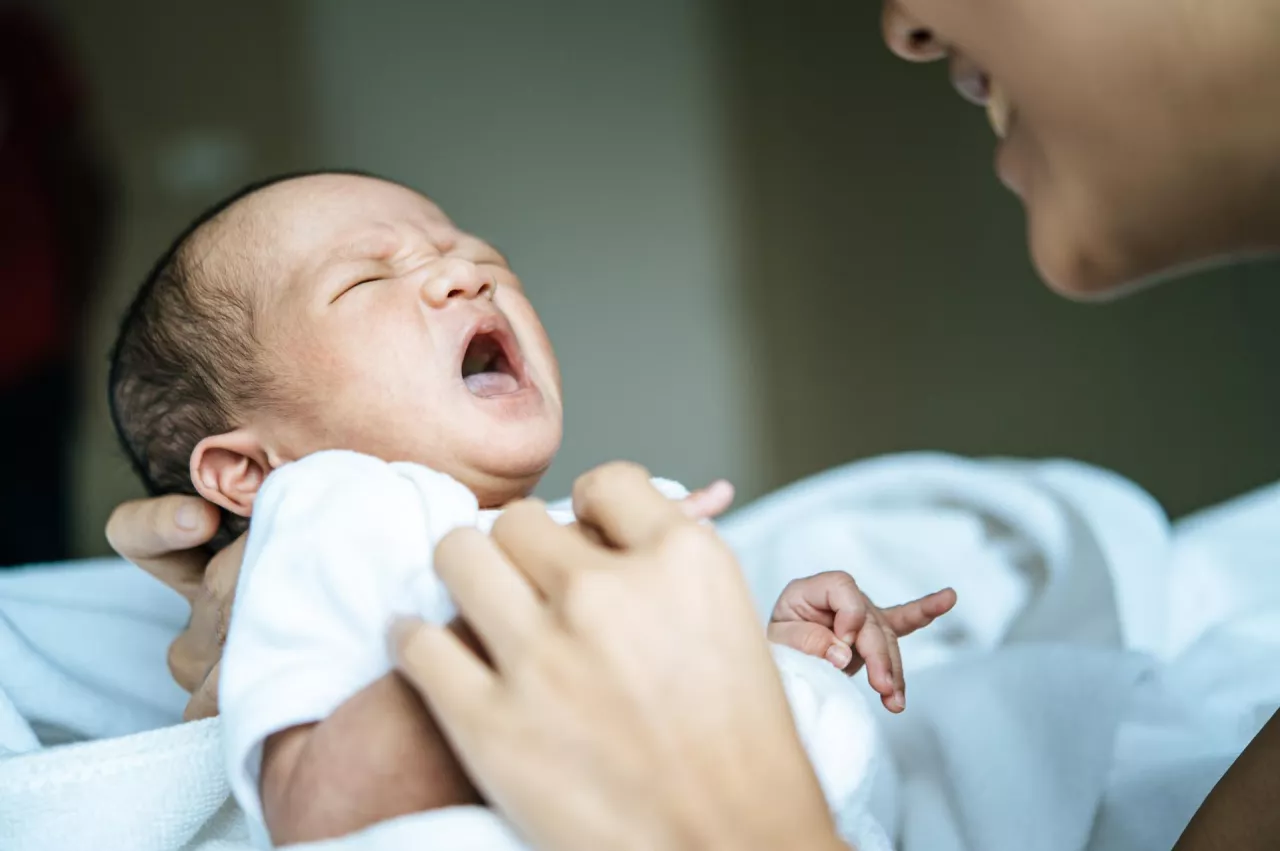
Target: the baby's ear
pixel 227 470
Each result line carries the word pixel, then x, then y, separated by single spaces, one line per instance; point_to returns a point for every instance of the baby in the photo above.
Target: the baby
pixel 332 355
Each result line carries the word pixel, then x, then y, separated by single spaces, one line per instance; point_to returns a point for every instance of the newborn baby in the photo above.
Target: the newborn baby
pixel 332 355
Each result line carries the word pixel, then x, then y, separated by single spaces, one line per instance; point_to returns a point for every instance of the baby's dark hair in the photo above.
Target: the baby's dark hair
pixel 183 366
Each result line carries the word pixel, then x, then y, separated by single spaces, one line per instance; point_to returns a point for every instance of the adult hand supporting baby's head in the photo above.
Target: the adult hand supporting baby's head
pixel 166 536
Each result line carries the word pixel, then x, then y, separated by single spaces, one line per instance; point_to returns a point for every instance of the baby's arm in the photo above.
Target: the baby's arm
pixel 378 757
pixel 339 547
pixel 380 754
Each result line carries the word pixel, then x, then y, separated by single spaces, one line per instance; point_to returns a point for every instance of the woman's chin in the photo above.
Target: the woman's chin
pixel 1077 257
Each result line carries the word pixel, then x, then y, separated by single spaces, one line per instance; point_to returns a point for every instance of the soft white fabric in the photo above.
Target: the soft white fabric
pixel 341 543
pixel 1031 722
pixel 1101 670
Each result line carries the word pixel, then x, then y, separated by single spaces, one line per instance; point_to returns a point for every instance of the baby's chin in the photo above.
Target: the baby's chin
pixel 494 489
pixel 500 477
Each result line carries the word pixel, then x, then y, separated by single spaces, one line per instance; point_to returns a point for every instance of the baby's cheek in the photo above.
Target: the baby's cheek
pixel 535 344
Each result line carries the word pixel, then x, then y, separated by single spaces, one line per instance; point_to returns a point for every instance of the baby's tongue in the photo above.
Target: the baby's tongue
pixel 491 383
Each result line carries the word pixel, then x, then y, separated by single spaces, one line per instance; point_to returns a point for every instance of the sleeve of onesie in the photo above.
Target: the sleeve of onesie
pixel 338 544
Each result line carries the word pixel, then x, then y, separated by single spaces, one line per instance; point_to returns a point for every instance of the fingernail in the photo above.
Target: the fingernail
pixel 901 700
pixel 847 638
pixel 187 517
pixel 840 656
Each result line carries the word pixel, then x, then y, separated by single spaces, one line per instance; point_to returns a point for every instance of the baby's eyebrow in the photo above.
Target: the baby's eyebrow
pixel 376 246
pixel 498 251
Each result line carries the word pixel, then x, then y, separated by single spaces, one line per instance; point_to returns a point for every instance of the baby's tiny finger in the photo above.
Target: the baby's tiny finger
pixel 840 655
pixel 850 618
pixel 809 638
pixel 709 502
pixel 917 614
pixel 895 664
pixel 871 646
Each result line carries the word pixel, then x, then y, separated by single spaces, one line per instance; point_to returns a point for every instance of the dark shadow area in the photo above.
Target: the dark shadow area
pixel 54 218
pixel 893 306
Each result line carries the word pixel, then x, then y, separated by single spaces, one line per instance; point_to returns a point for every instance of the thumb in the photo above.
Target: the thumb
pixel 811 639
pixel 204 703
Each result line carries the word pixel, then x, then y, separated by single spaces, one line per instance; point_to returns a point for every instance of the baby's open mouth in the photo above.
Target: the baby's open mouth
pixel 487 367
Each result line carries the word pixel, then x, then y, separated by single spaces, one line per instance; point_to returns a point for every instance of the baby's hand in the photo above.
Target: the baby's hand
pixel 709 502
pixel 828 616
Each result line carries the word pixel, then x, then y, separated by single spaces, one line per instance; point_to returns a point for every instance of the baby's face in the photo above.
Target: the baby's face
pixel 389 331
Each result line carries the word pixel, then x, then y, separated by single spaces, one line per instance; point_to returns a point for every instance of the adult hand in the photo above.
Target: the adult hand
pixel 710 502
pixel 165 536
pixel 631 698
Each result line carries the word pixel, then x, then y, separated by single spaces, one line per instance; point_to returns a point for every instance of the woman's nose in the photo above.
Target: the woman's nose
pixel 451 279
pixel 909 38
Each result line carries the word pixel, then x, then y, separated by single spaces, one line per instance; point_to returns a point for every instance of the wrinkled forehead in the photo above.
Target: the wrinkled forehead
pixel 295 229
pixel 308 218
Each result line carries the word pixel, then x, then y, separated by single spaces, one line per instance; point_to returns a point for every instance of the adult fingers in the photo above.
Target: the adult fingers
pixel 192 656
pixel 492 595
pixel 468 637
pixel 548 554
pixel 709 502
pixel 161 536
pixel 221 575
pixel 204 701
pixel 619 501
pixel 197 649
pixel 449 675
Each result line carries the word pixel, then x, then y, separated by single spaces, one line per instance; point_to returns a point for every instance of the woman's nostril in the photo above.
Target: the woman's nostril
pixel 920 39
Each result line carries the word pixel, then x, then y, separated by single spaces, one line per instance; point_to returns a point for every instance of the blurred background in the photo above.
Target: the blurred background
pixel 762 246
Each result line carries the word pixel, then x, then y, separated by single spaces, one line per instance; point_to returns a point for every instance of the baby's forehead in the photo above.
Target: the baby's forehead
pixel 298 225
pixel 315 212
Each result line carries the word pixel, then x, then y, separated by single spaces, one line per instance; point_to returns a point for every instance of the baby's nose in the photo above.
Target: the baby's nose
pixel 450 279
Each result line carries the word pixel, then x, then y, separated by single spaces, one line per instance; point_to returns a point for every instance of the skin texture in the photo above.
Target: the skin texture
pixel 828 616
pixel 364 298
pixel 1154 152
pixel 382 754
pixel 566 678
pixel 1143 142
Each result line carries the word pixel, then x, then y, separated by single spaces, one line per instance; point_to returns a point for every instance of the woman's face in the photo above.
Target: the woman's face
pixel 1130 127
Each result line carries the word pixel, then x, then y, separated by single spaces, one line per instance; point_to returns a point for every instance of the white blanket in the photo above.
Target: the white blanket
pixel 1101 670
pixel 1099 674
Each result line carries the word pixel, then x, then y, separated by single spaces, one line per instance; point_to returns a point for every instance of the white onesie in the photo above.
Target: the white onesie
pixel 341 543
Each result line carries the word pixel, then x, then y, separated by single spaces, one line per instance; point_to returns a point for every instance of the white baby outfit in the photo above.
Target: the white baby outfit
pixel 341 543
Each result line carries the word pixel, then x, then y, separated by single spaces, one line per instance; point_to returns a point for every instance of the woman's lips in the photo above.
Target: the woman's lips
pixel 999 110
pixel 977 87
pixel 969 80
